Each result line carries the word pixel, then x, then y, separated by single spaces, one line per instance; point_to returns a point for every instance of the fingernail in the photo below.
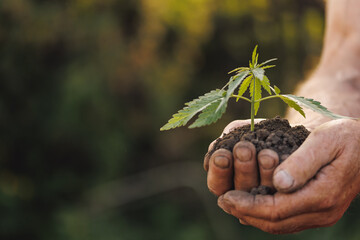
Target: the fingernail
pixel 222 162
pixel 283 180
pixel 243 154
pixel 267 162
pixel 224 204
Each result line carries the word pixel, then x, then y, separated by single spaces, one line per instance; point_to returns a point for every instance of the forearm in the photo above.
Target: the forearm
pixel 336 81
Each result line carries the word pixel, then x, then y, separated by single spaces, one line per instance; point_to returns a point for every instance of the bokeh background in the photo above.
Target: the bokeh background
pixel 85 86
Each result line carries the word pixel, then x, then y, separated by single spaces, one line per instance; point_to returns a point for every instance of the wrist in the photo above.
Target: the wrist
pixel 342 35
pixel 342 56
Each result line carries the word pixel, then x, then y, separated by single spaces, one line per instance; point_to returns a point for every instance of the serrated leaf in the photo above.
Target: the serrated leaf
pixel 227 84
pixel 258 73
pixel 244 85
pixel 238 79
pixel 291 103
pixel 265 83
pixel 277 90
pixel 209 115
pixel 253 59
pixel 257 93
pixel 183 116
pixel 315 106
pixel 268 66
pixel 267 61
pixel 239 69
pixel 235 81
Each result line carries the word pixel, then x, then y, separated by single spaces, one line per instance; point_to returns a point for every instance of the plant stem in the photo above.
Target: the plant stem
pixel 266 98
pixel 243 98
pixel 252 106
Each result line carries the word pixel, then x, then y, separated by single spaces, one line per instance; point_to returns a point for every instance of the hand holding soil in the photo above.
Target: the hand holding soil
pixel 271 142
pixel 234 170
pixel 316 184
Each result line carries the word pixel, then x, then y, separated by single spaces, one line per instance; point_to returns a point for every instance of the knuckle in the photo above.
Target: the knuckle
pixel 317 132
pixel 244 170
pixel 275 215
pixel 260 200
pixel 347 126
pixel 271 228
pixel 214 190
pixel 342 122
pixel 328 203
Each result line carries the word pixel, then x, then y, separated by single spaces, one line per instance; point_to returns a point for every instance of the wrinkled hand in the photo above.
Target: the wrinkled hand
pixel 316 184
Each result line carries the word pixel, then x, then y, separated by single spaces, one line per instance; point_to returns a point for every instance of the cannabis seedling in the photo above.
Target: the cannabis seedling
pixel 212 105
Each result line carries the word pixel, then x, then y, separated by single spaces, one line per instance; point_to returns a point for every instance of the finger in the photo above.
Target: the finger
pixel 231 126
pixel 316 196
pixel 268 161
pixel 319 149
pixel 245 166
pixel 295 224
pixel 207 156
pixel 220 175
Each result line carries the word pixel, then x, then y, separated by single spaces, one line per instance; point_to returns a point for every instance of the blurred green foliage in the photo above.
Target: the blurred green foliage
pixel 85 86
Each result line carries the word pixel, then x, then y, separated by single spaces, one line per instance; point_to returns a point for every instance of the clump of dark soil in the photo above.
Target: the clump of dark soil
pixel 275 134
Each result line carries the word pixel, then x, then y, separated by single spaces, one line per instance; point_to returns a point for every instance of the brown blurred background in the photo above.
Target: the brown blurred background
pixel 85 86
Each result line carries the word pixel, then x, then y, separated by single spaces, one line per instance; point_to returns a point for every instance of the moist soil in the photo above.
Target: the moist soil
pixel 275 134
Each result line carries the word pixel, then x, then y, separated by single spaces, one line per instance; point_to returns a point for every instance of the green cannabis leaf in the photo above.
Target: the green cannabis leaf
pixel 315 106
pixel 212 105
pixel 255 93
pixel 265 83
pixel 209 115
pixel 237 80
pixel 277 90
pixel 244 86
pixel 291 103
pixel 234 82
pixel 266 62
pixel 202 104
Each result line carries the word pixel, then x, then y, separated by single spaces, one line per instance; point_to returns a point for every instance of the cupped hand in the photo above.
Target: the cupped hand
pixel 240 169
pixel 316 184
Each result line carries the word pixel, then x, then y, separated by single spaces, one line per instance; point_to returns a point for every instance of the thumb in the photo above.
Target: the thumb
pixel 319 149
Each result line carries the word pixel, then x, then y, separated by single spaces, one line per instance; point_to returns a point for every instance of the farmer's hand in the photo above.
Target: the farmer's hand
pixel 316 184
pixel 239 170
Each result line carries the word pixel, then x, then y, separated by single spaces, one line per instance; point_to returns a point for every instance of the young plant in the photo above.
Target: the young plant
pixel 212 105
